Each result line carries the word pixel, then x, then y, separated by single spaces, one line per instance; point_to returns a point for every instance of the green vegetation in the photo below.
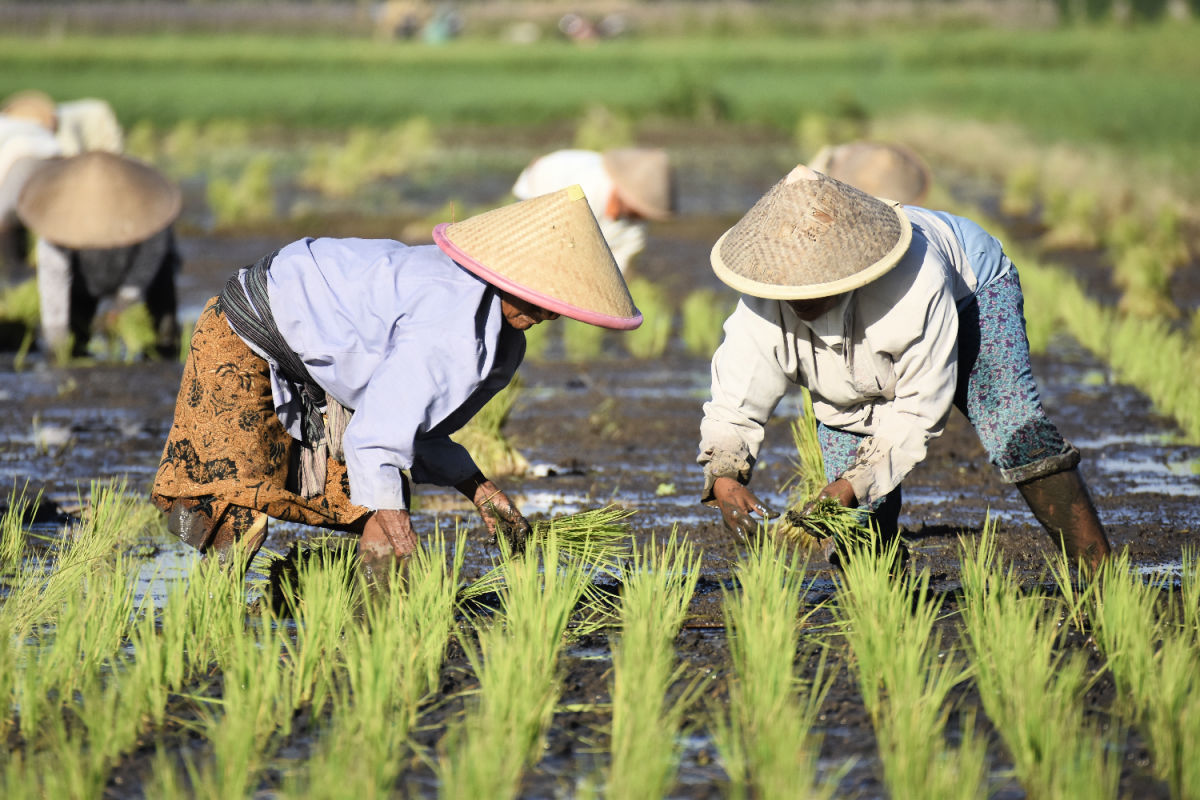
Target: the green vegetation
pixel 1013 641
pixel 907 678
pixel 516 659
pixel 703 314
pixel 766 737
pixel 484 438
pixel 1126 87
pixel 656 588
pixel 650 339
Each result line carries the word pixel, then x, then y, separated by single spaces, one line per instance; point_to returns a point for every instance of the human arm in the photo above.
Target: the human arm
pixel 750 373
pixel 499 514
pixel 54 293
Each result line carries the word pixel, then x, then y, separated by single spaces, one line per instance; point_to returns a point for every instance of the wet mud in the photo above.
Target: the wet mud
pixel 620 431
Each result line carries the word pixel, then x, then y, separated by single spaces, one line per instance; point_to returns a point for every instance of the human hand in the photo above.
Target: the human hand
pixel 840 490
pixel 502 518
pixel 388 532
pixel 738 506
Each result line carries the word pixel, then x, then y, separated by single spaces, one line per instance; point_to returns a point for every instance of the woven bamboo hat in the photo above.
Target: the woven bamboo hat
pixel 643 180
pixel 882 169
pixel 34 105
pixel 98 200
pixel 811 236
pixel 549 251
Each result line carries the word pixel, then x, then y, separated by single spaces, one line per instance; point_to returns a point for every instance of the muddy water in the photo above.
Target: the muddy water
pixel 619 431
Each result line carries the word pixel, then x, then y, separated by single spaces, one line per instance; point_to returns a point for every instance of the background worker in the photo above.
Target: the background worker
pixel 413 341
pixel 27 137
pixel 624 187
pixel 883 169
pixel 104 231
pixel 889 315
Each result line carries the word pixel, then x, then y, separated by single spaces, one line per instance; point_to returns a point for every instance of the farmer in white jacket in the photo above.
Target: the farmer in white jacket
pixel 890 315
pixel 624 187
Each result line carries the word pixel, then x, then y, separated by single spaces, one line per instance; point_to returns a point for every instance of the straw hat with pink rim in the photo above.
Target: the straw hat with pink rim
pixel 549 251
pixel 811 236
pixel 98 200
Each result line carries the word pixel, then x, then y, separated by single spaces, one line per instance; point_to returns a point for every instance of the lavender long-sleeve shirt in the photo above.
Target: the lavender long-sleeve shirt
pixel 412 342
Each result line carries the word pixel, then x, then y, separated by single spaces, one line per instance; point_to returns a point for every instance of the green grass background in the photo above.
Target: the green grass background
pixel 1137 89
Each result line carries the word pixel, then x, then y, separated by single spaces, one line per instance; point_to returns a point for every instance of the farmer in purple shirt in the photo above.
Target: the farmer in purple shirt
pixel 332 371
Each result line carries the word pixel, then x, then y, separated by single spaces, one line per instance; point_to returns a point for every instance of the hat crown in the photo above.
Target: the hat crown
pixel 643 179
pixel 98 200
pixel 879 168
pixel 811 236
pixel 549 251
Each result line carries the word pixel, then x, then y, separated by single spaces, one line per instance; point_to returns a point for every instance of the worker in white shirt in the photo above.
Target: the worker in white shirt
pixel 624 187
pixel 890 315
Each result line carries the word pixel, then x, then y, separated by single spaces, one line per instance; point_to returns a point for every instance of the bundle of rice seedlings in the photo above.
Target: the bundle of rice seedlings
pixel 600 536
pixel 822 519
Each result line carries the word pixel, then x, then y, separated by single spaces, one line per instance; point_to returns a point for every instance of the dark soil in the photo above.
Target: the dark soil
pixel 620 431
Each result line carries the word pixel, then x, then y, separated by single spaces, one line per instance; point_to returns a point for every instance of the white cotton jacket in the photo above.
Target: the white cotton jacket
pixel 883 362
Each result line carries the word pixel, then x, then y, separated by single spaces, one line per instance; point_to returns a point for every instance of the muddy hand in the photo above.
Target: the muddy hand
pixel 739 506
pixel 503 519
pixel 840 490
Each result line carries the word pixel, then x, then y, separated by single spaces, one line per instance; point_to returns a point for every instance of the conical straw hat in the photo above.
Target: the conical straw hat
pixel 549 251
pixel 643 180
pixel 98 200
pixel 885 170
pixel 34 105
pixel 811 236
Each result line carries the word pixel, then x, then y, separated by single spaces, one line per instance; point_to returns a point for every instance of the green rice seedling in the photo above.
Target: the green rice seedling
pixel 181 148
pixel 20 304
pixel 1156 667
pixel 765 737
pixel 601 128
pixel 907 678
pixel 808 477
pixel 131 335
pixel 249 199
pixel 1021 190
pixel 656 588
pixel 1189 592
pixel 1031 690
pixel 484 436
pixel 1073 217
pixel 537 342
pixel 1143 275
pixel 703 314
pixel 389 666
pixel 142 141
pixel 255 708
pixel 582 343
pixel 13 534
pixel 517 663
pixel 651 338
pixel 322 604
pixel 597 537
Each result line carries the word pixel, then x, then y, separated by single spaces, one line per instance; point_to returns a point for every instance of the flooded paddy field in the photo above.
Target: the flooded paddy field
pixel 616 430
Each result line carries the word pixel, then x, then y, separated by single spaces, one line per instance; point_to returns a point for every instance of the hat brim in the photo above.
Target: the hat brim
pixel 527 293
pixel 812 291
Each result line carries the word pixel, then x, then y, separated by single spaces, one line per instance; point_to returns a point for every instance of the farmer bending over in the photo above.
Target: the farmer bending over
pixel 104 232
pixel 889 315
pixel 413 341
pixel 623 187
